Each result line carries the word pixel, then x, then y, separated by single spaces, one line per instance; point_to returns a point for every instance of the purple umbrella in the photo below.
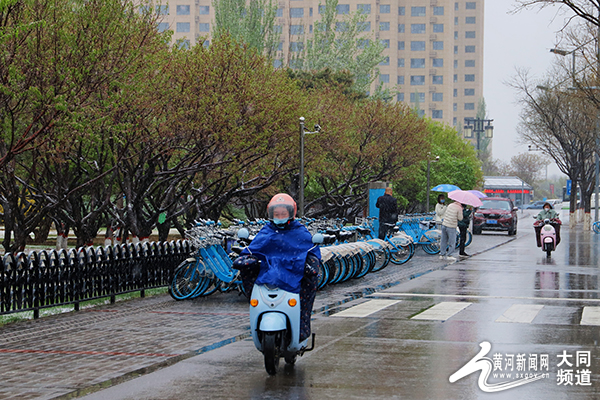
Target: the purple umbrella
pixel 464 197
pixel 477 193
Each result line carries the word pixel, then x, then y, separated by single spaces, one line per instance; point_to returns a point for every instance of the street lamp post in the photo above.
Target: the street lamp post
pixel 301 178
pixel 478 126
pixel 596 157
pixel 429 161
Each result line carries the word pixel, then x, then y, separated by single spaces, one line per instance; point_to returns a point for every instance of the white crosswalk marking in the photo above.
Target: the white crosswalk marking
pixel 442 311
pixel 364 309
pixel 521 313
pixel 590 316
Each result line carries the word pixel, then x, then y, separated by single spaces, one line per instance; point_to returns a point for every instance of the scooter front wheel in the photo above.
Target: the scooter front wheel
pixel 270 347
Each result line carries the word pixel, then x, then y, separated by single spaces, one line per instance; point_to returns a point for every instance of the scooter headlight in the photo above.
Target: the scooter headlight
pixel 292 302
pixel 254 302
pixel 547 228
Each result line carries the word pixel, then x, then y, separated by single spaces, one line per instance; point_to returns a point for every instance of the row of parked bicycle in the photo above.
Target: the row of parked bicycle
pixel 348 252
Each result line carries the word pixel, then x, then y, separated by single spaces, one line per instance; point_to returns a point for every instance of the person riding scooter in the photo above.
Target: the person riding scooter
pixel 283 255
pixel 547 213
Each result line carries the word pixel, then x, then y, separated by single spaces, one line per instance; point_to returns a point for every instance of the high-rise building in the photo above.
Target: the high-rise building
pixel 433 48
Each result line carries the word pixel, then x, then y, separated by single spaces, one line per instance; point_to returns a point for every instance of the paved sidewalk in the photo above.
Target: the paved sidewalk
pixel 69 355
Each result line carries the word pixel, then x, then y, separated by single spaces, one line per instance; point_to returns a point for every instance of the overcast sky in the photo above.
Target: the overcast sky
pixel 519 40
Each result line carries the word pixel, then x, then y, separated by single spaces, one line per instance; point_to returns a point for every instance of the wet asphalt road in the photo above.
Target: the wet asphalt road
pixel 537 314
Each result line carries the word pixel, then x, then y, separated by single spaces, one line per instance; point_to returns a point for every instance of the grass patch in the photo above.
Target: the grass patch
pixel 45 312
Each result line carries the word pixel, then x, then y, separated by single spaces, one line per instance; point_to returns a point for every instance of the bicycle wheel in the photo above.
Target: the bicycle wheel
pixel 432 237
pixel 186 280
pixel 323 275
pixel 400 254
pixel 469 238
pixel 366 265
pixel 596 227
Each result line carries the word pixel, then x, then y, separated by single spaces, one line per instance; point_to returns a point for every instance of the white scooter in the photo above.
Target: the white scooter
pixel 547 237
pixel 275 322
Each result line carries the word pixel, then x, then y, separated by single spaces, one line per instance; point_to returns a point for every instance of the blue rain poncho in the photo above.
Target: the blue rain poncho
pixel 282 253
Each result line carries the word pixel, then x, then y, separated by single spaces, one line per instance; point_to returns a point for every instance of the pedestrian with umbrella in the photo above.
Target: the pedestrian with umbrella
pixel 454 213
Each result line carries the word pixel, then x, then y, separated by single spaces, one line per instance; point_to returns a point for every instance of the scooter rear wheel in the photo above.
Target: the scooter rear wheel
pixel 270 347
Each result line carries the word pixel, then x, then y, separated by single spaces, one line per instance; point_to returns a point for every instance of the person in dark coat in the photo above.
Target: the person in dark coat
pixel 388 212
pixel 463 226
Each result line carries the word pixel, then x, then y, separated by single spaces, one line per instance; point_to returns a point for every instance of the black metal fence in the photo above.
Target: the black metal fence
pixel 35 280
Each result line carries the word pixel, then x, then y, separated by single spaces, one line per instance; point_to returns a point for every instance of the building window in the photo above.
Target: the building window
pixel 470 35
pixel 469 63
pixel 162 10
pixel 296 46
pixel 417 63
pixel 456 6
pixel 437 114
pixel 437 79
pixel 438 62
pixel 385 43
pixel 341 26
pixel 438 10
pixel 183 27
pixel 384 78
pixel 437 96
pixel 469 92
pixel 310 12
pixel 417 28
pixel 417 46
pixel 438 28
pixel 163 26
pixel 386 61
pixel 469 20
pixel 455 78
pixel 470 78
pixel 438 45
pixel 455 20
pixel 280 46
pixel 401 62
pixel 298 29
pixel 401 10
pixel 455 63
pixel 203 10
pixel 277 63
pixel 279 12
pixel 384 26
pixel 205 27
pixel 366 26
pixel 400 97
pixel 362 43
pixel 454 121
pixel 417 80
pixel 417 97
pixel 455 35
pixel 417 11
pixel 471 5
pixel 455 93
pixel 343 9
pixel 278 28
pixel 364 8
pixel 206 44
pixel 469 106
pixel 401 45
pixel 455 107
pixel 401 80
pixel 400 28
pixel 296 12
pixel 183 10
pixel 469 49
pixel 184 44
pixel 384 9
pixel 421 113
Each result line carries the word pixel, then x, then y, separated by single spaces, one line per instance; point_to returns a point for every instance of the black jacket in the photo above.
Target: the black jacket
pixel 388 208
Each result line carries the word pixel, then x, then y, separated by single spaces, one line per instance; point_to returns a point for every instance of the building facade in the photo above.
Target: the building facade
pixel 433 48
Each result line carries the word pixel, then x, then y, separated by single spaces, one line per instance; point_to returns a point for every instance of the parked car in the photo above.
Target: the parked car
pixel 496 214
pixel 536 205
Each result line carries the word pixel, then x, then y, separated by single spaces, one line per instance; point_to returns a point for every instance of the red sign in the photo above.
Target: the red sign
pixel 506 191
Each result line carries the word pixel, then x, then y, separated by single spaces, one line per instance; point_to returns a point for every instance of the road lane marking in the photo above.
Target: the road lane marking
pixel 365 309
pixel 590 316
pixel 467 296
pixel 521 313
pixel 442 311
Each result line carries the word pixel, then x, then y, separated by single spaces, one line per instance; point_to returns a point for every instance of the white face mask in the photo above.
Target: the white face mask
pixel 546 209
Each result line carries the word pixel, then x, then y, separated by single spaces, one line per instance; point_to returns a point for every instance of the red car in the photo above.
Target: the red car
pixel 496 214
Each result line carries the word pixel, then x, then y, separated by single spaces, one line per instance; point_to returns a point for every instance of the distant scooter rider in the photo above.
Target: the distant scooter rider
pixel 547 213
pixel 288 258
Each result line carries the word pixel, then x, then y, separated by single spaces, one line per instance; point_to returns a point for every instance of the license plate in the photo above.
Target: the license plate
pixel 492 221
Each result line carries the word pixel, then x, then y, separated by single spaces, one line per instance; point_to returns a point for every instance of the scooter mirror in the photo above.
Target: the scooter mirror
pixel 318 238
pixel 243 233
